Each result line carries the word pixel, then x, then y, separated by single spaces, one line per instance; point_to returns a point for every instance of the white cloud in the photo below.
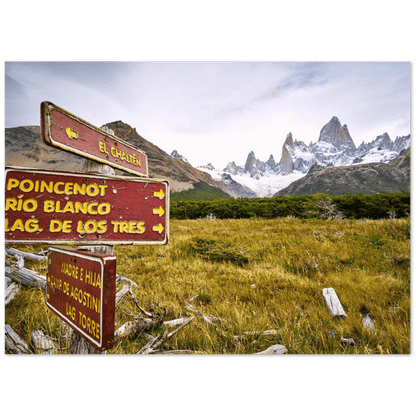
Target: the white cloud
pixel 219 111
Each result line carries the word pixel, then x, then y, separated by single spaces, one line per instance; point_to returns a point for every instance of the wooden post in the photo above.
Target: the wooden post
pixel 78 345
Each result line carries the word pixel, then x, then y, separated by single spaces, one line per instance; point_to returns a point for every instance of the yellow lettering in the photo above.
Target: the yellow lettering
pixel 32 225
pixel 140 227
pixel 48 206
pixel 83 207
pixel 55 226
pixel 11 204
pixel 116 225
pixel 69 207
pixel 18 225
pixel 90 208
pixel 23 187
pixel 102 189
pixel 66 227
pixel 44 186
pixel 102 227
pixel 56 188
pixel 79 189
pixel 33 205
pixel 104 208
pixel 12 183
pixel 103 147
pixel 69 188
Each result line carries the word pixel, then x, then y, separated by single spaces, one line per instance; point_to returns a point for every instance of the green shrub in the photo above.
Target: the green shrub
pixel 217 250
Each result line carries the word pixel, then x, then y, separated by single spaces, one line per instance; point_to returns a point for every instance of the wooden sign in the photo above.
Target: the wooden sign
pixel 63 130
pixel 67 208
pixel 81 289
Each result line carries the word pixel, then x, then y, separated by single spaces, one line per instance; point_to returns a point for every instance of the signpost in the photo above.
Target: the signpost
pixel 95 210
pixel 63 130
pixel 80 289
pixel 68 208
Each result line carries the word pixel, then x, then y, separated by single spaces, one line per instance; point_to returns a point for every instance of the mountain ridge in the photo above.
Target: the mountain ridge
pixel 334 148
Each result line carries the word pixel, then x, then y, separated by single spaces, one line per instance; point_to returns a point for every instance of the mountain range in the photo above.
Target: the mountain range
pixel 334 150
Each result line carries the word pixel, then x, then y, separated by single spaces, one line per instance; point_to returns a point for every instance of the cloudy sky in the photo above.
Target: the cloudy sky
pixel 218 111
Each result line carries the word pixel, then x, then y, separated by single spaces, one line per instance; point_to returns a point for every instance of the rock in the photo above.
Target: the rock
pixel 336 134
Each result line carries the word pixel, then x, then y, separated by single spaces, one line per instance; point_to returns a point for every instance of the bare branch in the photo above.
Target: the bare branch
pixel 165 337
pixel 148 314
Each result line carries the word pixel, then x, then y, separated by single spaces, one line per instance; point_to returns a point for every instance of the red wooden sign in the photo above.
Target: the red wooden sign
pixel 81 290
pixel 68 132
pixel 67 208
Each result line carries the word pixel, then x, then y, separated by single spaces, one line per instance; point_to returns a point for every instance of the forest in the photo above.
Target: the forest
pixel 353 206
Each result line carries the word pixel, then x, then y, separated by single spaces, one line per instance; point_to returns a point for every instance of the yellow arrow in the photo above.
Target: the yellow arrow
pixel 159 228
pixel 71 134
pixel 160 194
pixel 158 211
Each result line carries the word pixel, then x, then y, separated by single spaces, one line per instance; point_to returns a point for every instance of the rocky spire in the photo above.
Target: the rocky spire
pixel 336 134
pixel 287 154
pixel 253 166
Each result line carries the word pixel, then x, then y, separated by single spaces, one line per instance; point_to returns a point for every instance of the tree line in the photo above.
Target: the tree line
pixel 374 206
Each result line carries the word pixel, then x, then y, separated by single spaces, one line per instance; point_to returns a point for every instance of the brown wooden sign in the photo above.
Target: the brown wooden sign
pixel 81 289
pixel 68 132
pixel 67 208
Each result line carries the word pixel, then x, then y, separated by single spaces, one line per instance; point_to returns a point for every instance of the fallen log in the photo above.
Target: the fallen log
pixel 26 277
pixel 274 349
pixel 10 292
pixel 139 324
pixel 15 344
pixel 43 344
pixel 13 251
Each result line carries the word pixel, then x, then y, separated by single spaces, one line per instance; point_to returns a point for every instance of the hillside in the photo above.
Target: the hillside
pixel 368 178
pixel 24 148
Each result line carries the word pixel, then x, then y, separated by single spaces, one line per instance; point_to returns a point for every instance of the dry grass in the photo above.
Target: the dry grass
pixel 279 286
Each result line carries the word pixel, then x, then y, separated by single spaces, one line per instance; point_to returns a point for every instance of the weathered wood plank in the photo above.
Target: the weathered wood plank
pixel 13 251
pixel 43 344
pixel 10 292
pixel 15 344
pixel 26 277
pixel 332 303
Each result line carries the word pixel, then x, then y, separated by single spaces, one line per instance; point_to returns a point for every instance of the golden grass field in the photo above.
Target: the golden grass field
pixel 257 275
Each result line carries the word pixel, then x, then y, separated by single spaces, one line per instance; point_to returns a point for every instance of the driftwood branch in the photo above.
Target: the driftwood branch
pixel 136 302
pixel 152 346
pixel 125 289
pixel 209 319
pixel 10 292
pixel 13 251
pixel 14 344
pixel 274 349
pixel 26 277
pixel 139 324
pixel 43 343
